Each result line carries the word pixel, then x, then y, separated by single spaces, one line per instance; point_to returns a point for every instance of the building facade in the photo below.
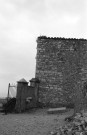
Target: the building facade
pixel 61 64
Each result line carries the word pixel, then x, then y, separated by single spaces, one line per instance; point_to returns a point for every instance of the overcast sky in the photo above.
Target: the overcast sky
pixel 22 21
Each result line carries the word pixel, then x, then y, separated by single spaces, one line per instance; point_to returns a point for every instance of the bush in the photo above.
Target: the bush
pixel 9 106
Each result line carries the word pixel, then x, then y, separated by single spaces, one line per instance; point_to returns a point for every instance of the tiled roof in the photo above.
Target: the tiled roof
pixel 34 80
pixel 23 80
pixel 61 38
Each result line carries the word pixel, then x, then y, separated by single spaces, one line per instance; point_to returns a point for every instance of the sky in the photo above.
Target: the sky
pixel 22 21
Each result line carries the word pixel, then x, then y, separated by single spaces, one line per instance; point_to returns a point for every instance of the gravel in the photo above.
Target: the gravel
pixel 36 122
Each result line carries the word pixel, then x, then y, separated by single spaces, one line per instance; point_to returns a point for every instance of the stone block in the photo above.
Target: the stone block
pixel 56 110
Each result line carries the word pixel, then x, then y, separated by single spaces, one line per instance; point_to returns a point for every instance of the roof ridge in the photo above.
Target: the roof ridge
pixel 45 37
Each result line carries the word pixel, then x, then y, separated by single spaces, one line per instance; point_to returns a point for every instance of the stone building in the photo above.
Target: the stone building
pixel 27 96
pixel 61 64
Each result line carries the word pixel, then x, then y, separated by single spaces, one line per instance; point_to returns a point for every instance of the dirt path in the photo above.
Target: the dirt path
pixel 37 122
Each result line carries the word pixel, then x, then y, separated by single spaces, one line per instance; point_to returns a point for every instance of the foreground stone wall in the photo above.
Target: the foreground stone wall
pixel 60 64
pixel 25 92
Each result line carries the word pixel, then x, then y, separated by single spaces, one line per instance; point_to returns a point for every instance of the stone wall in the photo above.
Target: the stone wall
pixel 60 64
pixel 26 97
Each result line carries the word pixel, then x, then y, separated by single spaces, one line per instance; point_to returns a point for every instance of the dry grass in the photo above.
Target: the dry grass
pixel 36 122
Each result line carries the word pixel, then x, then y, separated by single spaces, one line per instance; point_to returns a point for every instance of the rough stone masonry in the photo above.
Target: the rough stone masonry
pixel 61 64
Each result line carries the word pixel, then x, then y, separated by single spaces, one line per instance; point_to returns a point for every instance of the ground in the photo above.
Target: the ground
pixel 35 122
